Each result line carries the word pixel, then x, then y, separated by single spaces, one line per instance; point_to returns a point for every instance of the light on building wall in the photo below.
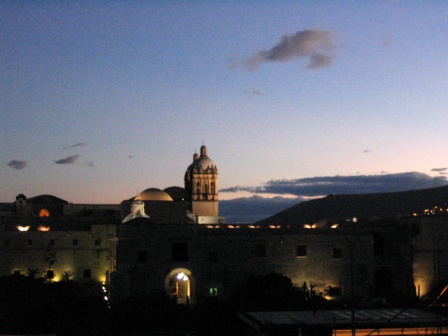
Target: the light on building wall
pixel 275 226
pixel 335 226
pixel 23 228
pixel 310 226
pixel 182 276
pixel 43 228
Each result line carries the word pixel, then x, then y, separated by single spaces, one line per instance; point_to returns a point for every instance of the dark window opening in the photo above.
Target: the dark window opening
pixel 378 245
pixel 75 242
pixel 213 256
pixel 16 272
pixel 51 242
pixel 301 251
pixel 337 253
pixel 97 242
pixel 180 252
pixel 142 256
pixel 260 250
pixel 7 242
pixel 30 242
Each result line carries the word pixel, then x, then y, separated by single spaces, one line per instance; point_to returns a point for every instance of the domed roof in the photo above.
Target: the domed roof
pixel 47 199
pixel 177 193
pixel 153 194
pixel 202 161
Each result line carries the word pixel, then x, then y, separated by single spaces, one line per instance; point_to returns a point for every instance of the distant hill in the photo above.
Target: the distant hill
pixel 385 205
pixel 253 209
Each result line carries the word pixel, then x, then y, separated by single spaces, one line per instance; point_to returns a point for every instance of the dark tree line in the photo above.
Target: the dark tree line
pixel 36 306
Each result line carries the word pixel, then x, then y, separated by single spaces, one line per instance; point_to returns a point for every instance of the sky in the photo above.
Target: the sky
pixel 100 100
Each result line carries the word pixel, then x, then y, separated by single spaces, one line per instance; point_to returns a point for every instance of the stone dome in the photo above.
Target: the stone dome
pixel 153 194
pixel 177 193
pixel 202 161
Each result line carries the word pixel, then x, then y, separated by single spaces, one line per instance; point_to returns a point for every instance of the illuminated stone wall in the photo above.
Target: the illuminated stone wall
pixel 85 255
pixel 430 252
pixel 222 257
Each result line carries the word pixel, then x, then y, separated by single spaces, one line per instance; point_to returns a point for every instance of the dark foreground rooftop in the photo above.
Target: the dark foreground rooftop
pixel 339 322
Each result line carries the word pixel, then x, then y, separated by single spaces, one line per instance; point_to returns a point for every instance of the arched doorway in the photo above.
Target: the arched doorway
pixel 180 284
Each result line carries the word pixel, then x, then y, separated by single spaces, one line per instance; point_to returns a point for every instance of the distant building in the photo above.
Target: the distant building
pixel 45 236
pixel 175 241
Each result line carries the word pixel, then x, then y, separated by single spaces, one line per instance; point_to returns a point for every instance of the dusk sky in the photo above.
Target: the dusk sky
pixel 102 99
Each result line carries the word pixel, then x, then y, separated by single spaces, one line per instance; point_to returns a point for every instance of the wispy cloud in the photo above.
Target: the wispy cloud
pixel 438 169
pixel 254 92
pixel 358 184
pixel 68 160
pixel 17 164
pixel 314 45
pixel 79 144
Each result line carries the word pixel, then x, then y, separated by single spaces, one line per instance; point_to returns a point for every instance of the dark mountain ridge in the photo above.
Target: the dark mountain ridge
pixel 347 206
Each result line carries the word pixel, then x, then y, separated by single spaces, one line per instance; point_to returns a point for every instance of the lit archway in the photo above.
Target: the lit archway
pixel 44 213
pixel 180 284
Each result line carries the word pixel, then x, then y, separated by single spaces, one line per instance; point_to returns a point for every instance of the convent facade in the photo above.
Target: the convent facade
pixel 175 241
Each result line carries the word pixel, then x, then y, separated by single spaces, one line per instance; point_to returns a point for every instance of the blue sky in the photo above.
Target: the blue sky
pixel 100 100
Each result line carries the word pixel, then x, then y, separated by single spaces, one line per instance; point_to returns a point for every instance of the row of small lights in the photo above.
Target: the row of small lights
pixel 26 228
pixel 306 226
pixel 106 298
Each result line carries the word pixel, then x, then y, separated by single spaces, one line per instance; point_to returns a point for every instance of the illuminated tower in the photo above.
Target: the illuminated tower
pixel 201 184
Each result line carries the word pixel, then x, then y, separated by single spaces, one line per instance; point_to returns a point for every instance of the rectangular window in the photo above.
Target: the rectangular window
pixel 142 256
pixel 50 274
pixel 51 242
pixel 87 274
pixel 16 272
pixel 213 291
pixel 378 245
pixel 30 242
pixel 97 242
pixel 180 251
pixel 75 242
pixel 260 250
pixel 301 251
pixel 213 256
pixel 337 253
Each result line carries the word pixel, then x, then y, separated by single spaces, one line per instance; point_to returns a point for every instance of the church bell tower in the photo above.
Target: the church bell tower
pixel 201 184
